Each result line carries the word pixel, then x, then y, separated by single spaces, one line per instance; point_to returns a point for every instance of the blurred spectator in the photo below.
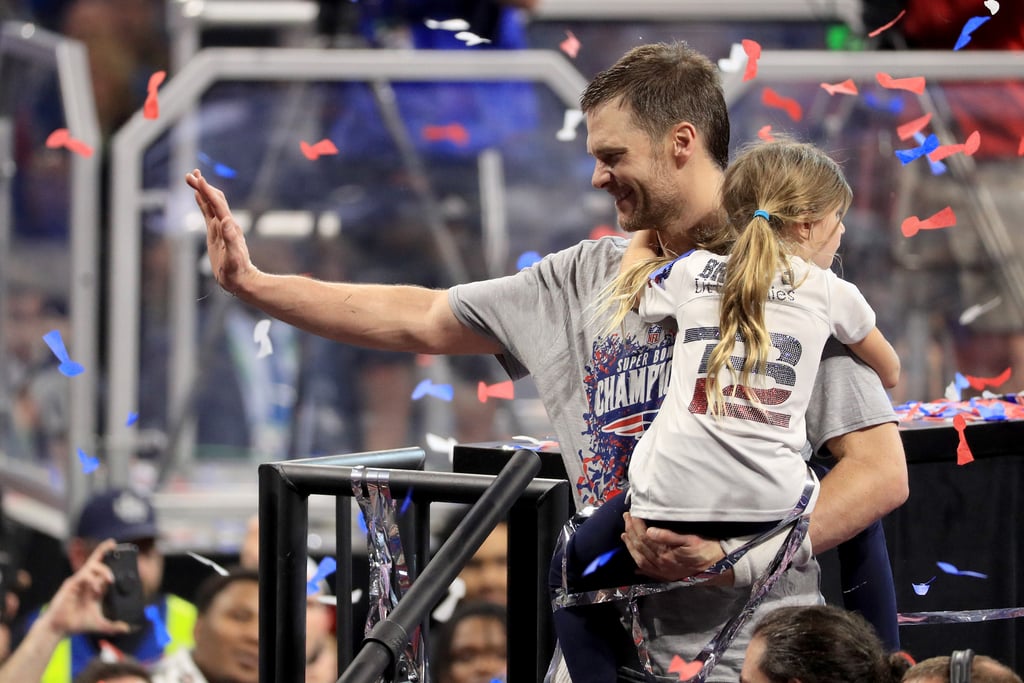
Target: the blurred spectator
pixel 226 634
pixel 471 646
pixel 127 517
pixel 818 644
pixel 125 671
pixel 76 609
pixel 485 576
pixel 982 670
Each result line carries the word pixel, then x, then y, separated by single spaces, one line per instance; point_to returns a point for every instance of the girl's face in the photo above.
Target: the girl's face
pixel 822 239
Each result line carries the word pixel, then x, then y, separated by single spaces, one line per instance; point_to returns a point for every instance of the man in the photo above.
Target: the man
pixel 982 670
pixel 659 132
pixel 127 517
pixel 226 634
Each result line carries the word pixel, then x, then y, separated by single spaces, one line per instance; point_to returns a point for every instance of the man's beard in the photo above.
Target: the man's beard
pixel 651 213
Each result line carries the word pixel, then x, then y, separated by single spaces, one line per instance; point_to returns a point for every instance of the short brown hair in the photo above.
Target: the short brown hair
pixel 983 670
pixel 664 84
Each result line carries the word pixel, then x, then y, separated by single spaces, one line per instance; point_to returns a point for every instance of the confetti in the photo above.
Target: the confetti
pixel 208 562
pixel 89 463
pixel 318 149
pixel 447 24
pixel 527 259
pixel 570 122
pixel 219 169
pixel 599 561
pixel 992 6
pixel 362 523
pixel 445 392
pixel 969 148
pixel 773 99
pixel 357 595
pixel 972 313
pixel 151 108
pixel 603 231
pixel 893 105
pixel 765 133
pixel 152 613
pixel 752 48
pixel 327 566
pixel 914 84
pixel 1020 147
pixel 951 569
pixel 133 417
pixel 500 390
pixel 922 588
pixel 62 138
pixel 571 45
pixel 963 451
pixel 686 670
pixel 406 502
pixel 453 132
pixel 930 144
pixel 943 219
pixel 970 27
pixel 731 64
pixel 67 367
pixel 439 444
pixel 456 591
pixel 847 87
pixel 911 128
pixel 261 336
pixel 471 39
pixel 885 27
pixel 993 412
pixel 980 383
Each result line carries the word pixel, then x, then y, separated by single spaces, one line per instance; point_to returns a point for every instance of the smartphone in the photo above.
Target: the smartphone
pixel 124 600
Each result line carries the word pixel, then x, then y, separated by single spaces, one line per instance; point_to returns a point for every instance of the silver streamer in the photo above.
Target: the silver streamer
pixel 389 573
pixel 962 617
pixel 796 521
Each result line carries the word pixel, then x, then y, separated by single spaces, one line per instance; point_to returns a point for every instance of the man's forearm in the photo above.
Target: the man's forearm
pixel 29 660
pixel 388 317
pixel 868 482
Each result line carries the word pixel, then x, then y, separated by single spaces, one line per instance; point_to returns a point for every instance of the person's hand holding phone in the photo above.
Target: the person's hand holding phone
pixel 77 605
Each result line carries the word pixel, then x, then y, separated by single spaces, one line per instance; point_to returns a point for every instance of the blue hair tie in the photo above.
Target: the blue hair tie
pixel 761 213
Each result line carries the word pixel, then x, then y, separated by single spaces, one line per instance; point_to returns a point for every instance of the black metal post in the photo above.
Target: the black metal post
pixel 345 615
pixel 387 639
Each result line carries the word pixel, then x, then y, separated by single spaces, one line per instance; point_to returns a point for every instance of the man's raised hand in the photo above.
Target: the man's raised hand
pixel 225 243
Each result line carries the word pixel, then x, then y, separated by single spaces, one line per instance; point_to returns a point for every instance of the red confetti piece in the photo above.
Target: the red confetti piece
pixel 753 50
pixel 914 84
pixel 62 138
pixel 968 148
pixel 773 99
pixel 603 231
pixel 911 128
pixel 887 26
pixel 847 87
pixel 765 133
pixel 453 132
pixel 318 149
pixel 980 383
pixel 500 390
pixel 963 451
pixel 424 360
pixel 571 45
pixel 1020 147
pixel 151 109
pixel 943 219
pixel 685 669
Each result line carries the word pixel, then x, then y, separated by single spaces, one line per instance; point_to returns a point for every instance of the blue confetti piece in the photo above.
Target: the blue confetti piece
pixel 89 463
pixel 951 569
pixel 930 144
pixel 527 259
pixel 922 588
pixel 133 417
pixel 406 502
pixel 970 27
pixel 599 561
pixel 362 523
pixel 893 105
pixel 993 413
pixel 67 367
pixel 444 392
pixel 219 169
pixel 327 566
pixel 159 629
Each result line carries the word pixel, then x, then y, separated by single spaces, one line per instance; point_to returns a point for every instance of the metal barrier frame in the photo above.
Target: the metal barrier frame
pixel 177 99
pixel 536 509
pixel 69 58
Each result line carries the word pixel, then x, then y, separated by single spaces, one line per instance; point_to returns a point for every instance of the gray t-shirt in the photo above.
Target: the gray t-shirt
pixel 601 392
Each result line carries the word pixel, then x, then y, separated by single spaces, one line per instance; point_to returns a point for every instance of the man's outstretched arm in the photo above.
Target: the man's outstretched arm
pixel 390 317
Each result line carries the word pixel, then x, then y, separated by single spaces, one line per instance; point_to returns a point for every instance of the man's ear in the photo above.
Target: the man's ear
pixel 684 141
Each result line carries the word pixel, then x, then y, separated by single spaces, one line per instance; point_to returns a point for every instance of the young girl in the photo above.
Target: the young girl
pixel 723 457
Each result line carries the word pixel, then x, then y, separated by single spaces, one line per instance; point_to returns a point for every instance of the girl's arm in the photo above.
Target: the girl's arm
pixel 876 351
pixel 643 246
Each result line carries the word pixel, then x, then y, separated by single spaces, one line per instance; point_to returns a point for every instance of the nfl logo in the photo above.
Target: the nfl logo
pixel 654 335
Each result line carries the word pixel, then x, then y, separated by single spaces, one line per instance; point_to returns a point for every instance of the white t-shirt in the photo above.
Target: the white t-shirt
pixel 747 465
